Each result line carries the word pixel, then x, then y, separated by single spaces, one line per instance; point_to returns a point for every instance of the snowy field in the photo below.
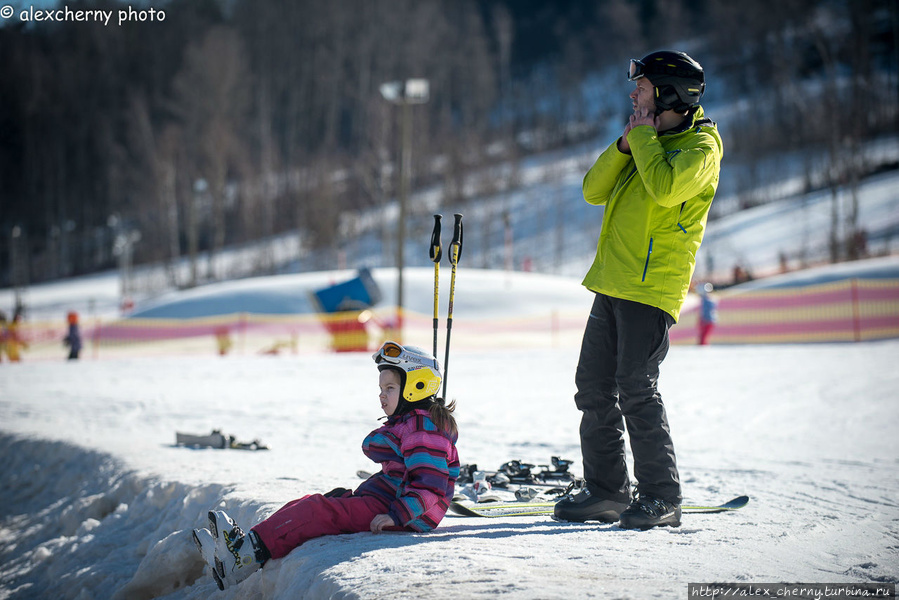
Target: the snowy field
pixel 97 502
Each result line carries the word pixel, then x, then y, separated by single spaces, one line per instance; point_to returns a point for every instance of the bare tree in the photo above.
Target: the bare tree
pixel 211 98
pixel 155 166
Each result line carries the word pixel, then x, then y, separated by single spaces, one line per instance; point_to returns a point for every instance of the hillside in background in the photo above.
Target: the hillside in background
pixel 784 235
pixel 261 126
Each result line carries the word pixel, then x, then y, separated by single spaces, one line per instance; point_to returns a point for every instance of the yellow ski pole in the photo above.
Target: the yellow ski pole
pixel 436 254
pixel 455 254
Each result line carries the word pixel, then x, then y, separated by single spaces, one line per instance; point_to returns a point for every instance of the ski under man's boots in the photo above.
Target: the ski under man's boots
pixel 232 555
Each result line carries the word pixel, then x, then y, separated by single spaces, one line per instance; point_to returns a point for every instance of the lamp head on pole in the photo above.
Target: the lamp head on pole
pixel 410 91
pixel 417 91
pixel 392 91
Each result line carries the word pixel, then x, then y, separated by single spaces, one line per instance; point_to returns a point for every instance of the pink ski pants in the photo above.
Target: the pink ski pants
pixel 314 516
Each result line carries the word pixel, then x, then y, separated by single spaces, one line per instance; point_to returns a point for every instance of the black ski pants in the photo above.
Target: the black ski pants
pixel 617 386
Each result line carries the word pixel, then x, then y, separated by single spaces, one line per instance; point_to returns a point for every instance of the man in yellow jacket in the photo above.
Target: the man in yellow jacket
pixel 656 183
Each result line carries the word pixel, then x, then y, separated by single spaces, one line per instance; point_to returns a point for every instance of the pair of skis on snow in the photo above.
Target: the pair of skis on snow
pixel 532 509
pixel 537 488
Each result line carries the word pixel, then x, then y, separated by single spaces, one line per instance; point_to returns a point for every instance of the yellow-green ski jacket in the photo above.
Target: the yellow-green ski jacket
pixel 657 200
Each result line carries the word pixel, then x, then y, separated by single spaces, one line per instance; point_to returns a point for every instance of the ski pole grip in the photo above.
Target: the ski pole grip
pixel 436 250
pixel 456 250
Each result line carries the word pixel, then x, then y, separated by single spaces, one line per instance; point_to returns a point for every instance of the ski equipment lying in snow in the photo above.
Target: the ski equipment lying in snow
pixel 515 480
pixel 519 489
pixel 526 509
pixel 216 439
pixel 522 473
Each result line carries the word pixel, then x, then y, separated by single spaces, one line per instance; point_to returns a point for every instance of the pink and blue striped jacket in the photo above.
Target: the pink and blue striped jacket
pixel 419 468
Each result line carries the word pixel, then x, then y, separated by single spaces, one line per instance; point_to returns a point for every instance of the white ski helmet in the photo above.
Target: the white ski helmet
pixel 419 370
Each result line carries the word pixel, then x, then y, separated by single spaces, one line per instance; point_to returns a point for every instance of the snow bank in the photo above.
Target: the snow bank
pixel 68 514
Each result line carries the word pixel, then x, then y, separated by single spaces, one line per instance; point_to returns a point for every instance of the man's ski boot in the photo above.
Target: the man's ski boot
pixel 237 555
pixel 647 512
pixel 583 506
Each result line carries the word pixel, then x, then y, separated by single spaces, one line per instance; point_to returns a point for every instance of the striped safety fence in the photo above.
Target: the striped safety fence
pixel 850 310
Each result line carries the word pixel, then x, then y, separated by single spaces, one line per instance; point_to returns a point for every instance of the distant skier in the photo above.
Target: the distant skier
pixel 223 340
pixel 73 337
pixel 13 341
pixel 419 467
pixel 708 313
pixel 656 182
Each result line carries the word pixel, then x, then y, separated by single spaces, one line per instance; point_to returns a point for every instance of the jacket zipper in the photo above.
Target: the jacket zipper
pixel 681 227
pixel 646 264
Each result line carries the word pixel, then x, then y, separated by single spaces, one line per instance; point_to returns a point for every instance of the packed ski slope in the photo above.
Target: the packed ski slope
pixel 97 502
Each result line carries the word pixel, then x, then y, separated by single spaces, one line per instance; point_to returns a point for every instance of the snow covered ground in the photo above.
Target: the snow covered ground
pixel 97 502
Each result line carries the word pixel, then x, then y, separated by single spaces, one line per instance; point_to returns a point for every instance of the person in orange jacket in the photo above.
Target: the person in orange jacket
pixel 73 337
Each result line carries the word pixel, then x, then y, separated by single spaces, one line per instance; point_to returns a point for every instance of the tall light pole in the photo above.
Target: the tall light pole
pixel 18 268
pixel 123 250
pixel 405 94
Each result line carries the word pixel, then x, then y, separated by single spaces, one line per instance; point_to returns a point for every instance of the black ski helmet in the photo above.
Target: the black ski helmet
pixel 678 79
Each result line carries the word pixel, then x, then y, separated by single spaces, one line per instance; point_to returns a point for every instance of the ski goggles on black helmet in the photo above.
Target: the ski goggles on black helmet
pixel 636 70
pixel 667 67
pixel 679 80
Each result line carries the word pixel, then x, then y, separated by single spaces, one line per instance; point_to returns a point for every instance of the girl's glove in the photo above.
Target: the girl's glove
pixel 338 493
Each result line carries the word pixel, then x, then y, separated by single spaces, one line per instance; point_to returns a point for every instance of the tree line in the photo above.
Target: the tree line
pixel 235 120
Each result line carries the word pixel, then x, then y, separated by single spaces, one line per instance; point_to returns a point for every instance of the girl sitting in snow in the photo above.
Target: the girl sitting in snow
pixel 419 466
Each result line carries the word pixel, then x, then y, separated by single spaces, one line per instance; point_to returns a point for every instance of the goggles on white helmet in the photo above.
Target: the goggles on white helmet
pixel 421 371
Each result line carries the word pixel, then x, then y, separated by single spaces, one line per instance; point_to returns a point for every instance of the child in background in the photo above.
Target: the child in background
pixel 708 313
pixel 419 466
pixel 73 338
